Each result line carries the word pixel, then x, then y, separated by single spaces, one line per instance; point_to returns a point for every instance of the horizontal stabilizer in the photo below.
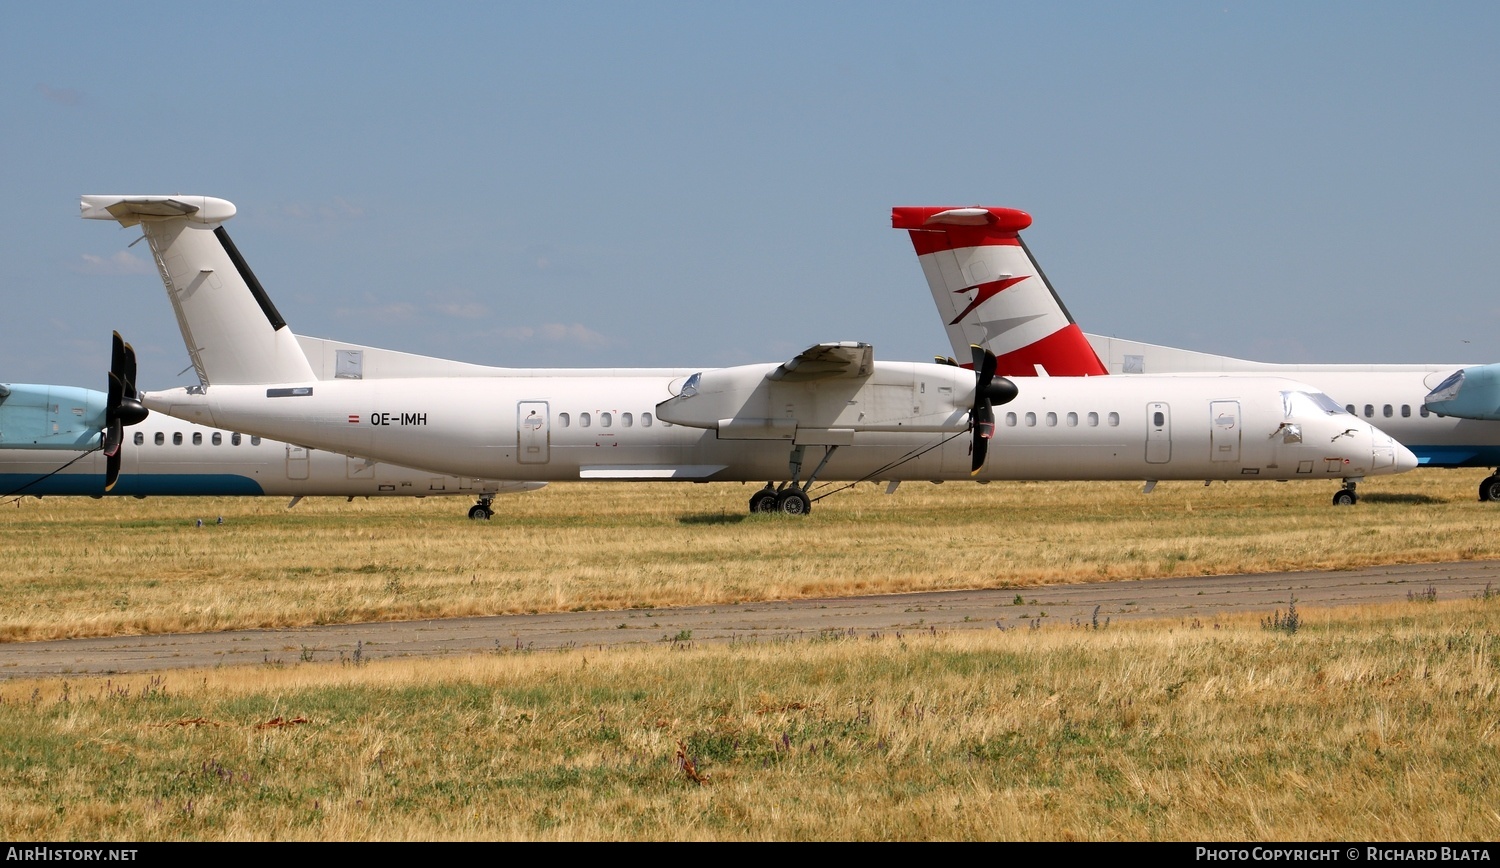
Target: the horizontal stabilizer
pixel 130 210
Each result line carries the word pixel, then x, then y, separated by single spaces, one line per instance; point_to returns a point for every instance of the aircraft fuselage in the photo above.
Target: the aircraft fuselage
pixel 609 427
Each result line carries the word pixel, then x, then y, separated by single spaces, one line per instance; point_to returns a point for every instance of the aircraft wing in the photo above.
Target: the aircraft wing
pixel 842 359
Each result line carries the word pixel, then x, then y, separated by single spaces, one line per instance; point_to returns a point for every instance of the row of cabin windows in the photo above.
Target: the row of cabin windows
pixel 1070 419
pixel 218 439
pixel 1388 411
pixel 607 420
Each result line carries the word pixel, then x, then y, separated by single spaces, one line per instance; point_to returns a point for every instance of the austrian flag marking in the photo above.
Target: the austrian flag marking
pixel 353 419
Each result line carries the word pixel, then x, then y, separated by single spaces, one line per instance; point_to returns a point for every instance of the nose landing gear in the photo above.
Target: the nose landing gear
pixel 483 510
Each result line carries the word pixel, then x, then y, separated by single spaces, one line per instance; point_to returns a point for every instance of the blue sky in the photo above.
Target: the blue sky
pixel 686 184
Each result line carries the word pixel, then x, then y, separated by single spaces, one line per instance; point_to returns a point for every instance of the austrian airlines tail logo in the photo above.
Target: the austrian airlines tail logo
pixel 974 259
pixel 987 291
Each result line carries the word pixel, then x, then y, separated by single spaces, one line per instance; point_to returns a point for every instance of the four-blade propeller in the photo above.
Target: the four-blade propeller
pixel 123 408
pixel 989 390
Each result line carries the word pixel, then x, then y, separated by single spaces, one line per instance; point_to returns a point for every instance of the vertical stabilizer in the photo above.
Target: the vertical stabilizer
pixel 991 293
pixel 233 333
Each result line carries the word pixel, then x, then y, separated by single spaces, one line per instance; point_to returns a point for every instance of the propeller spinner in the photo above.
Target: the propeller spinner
pixel 123 407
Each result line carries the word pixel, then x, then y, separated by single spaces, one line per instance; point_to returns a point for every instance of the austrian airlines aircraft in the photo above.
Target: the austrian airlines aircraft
pixel 51 445
pixel 990 291
pixel 832 408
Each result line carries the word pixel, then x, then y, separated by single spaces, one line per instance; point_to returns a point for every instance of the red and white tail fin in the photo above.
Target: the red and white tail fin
pixel 991 292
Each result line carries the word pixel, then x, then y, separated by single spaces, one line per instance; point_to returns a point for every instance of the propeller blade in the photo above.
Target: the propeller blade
pixel 114 395
pixel 129 374
pixel 117 353
pixel 982 417
pixel 122 406
pixel 984 365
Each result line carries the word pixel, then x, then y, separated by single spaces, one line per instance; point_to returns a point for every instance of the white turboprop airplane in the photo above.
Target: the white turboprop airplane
pixel 991 292
pixel 52 437
pixel 866 420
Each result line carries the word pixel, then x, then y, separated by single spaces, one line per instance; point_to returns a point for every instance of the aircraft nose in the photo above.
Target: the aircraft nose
pixel 1388 455
pixel 1405 459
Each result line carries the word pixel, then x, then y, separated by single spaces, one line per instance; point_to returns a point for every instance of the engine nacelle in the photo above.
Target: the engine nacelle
pixel 1468 393
pixel 50 417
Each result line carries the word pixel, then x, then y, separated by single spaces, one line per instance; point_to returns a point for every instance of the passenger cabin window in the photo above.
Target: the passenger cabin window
pixel 1405 411
pixel 177 439
pixel 584 420
pixel 1424 411
pixel 1051 420
pixel 1387 411
pixel 1350 408
pixel 1010 419
pixel 564 419
pixel 234 439
pixel 1114 420
pixel 218 439
pixel 140 438
pixel 1093 419
pixel 1369 411
pixel 645 420
pixel 626 420
pixel 1030 420
pixel 160 438
pixel 254 440
pixel 1072 420
pixel 606 419
pixel 197 438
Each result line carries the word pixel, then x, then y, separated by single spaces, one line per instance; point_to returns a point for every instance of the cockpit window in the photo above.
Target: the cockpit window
pixel 690 388
pixel 1309 404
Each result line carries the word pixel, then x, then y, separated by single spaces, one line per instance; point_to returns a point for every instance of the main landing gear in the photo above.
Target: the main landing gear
pixel 1489 489
pixel 1345 496
pixel 483 510
pixel 790 498
pixel 786 499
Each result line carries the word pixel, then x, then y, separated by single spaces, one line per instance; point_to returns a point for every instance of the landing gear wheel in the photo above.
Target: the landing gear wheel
pixel 479 512
pixel 763 501
pixel 1489 489
pixel 1345 497
pixel 793 502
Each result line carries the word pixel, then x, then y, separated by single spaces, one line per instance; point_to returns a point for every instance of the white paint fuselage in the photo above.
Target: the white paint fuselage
pixel 1390 396
pixel 605 425
pixel 168 457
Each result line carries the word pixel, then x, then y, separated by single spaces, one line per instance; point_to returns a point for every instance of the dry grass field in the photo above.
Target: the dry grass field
pixel 1374 724
pixel 77 567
